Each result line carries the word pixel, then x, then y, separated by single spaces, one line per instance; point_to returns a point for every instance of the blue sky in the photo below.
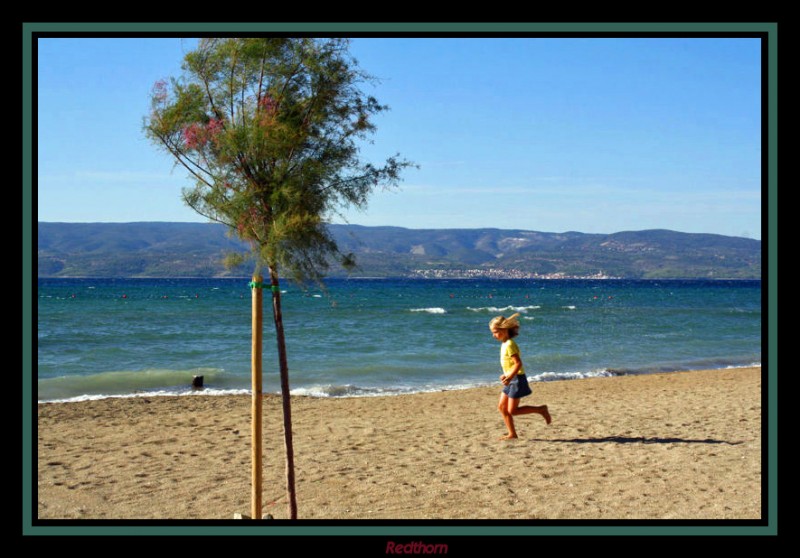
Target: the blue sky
pixel 587 134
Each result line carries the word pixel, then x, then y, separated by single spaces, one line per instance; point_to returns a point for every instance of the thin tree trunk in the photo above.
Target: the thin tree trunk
pixel 287 404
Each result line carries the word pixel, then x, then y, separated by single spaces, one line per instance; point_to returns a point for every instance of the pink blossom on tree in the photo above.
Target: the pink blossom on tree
pixel 160 91
pixel 214 127
pixel 268 104
pixel 194 136
pixel 268 108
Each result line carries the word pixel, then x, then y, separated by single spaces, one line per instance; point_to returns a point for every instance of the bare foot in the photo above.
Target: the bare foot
pixel 546 415
pixel 507 437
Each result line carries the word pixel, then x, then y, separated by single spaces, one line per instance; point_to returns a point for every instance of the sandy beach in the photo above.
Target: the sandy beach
pixel 681 445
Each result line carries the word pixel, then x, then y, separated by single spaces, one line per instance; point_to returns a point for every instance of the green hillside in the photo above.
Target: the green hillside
pixel 196 250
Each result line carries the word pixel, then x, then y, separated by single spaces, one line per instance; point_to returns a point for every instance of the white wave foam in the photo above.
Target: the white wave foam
pixel 555 376
pixel 568 307
pixel 497 310
pixel 348 390
pixel 323 391
pixel 159 393
pixel 430 310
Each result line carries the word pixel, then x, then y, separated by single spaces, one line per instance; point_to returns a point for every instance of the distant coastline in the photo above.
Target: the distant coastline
pixel 185 250
pixel 491 273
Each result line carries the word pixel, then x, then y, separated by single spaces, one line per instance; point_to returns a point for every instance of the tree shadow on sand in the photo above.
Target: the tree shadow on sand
pixel 637 440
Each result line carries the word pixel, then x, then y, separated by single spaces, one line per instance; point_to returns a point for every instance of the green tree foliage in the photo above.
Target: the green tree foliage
pixel 269 130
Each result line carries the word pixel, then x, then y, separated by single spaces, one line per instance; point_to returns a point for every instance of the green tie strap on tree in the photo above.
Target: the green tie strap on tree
pixel 268 130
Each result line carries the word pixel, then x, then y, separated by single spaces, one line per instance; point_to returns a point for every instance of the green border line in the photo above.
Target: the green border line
pixel 405 531
pixel 27 277
pixel 400 27
pixel 772 270
pixel 30 28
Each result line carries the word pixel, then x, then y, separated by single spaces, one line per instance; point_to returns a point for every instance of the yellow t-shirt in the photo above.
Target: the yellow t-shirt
pixel 507 350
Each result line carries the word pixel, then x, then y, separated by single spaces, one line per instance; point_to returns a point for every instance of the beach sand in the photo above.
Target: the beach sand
pixel 681 445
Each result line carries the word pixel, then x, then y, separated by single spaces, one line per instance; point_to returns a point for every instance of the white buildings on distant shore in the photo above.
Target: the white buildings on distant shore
pixel 492 273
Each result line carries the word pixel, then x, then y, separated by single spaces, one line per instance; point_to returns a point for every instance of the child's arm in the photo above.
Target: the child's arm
pixel 514 370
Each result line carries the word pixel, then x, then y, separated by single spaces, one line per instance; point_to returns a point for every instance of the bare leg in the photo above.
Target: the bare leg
pixel 513 409
pixel 503 406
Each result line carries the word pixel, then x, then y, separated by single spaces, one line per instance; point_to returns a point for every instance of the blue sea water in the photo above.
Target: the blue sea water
pixel 111 337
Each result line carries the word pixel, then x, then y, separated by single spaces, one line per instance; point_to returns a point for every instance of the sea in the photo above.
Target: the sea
pixel 362 337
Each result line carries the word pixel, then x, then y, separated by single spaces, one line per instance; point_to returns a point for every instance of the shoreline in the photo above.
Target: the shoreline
pixel 680 445
pixel 314 391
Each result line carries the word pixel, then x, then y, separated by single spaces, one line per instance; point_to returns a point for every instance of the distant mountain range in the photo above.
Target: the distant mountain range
pixel 157 249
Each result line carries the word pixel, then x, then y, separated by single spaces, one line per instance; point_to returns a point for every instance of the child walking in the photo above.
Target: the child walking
pixel 513 376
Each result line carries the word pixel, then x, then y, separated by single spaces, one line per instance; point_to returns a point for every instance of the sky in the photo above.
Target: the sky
pixel 596 135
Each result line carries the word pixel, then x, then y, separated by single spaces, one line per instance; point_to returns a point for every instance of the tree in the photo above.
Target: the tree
pixel 268 128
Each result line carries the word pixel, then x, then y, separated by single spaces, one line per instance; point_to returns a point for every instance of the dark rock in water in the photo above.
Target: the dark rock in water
pixel 197 382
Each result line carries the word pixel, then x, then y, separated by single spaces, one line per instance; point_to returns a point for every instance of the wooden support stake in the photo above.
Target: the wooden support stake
pixel 257 408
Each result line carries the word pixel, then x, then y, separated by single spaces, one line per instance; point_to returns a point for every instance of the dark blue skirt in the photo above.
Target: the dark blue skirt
pixel 518 387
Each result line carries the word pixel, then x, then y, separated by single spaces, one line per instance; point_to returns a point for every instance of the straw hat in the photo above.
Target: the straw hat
pixel 504 323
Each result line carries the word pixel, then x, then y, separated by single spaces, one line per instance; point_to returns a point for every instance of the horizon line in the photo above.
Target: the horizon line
pixel 404 228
